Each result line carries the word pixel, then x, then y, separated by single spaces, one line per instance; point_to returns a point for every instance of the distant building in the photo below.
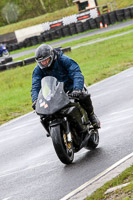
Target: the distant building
pixel 83 5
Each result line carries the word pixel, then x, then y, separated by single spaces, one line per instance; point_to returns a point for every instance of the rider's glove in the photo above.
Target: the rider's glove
pixel 34 104
pixel 76 93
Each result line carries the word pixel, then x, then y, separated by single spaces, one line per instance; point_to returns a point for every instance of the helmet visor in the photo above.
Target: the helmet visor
pixel 44 62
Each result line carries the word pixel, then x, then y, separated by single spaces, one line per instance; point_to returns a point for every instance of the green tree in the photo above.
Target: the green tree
pixel 18 10
pixel 10 12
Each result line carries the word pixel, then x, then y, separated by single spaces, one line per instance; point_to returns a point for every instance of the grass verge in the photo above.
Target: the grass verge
pixel 15 93
pixel 97 61
pixel 125 193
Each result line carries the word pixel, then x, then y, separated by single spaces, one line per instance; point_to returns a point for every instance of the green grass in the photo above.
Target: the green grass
pixel 97 61
pixel 24 57
pixel 125 193
pixel 119 3
pixel 111 56
pixel 15 93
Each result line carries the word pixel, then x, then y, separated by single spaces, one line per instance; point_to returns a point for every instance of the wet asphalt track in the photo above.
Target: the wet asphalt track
pixel 29 167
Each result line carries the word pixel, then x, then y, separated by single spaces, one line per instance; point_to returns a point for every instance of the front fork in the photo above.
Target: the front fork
pixel 68 132
pixel 67 137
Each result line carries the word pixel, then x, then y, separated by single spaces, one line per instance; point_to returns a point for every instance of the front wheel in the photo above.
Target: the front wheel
pixel 63 148
pixel 5 54
pixel 93 140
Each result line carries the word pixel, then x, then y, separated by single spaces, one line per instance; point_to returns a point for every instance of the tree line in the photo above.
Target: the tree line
pixel 17 10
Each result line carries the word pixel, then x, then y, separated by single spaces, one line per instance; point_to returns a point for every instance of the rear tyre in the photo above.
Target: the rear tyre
pixel 63 148
pixel 93 140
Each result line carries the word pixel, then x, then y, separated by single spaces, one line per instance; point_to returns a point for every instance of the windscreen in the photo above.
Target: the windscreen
pixel 51 96
pixel 49 87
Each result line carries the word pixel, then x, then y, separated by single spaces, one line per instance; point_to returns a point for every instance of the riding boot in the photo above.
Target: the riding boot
pixel 86 103
pixel 94 120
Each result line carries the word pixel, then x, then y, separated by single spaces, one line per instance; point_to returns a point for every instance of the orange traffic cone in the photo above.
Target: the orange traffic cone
pixel 101 25
pixel 106 26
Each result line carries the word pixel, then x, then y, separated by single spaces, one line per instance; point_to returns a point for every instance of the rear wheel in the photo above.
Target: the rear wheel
pixel 93 140
pixel 63 148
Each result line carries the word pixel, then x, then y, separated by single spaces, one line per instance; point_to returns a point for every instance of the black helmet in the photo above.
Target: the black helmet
pixel 43 52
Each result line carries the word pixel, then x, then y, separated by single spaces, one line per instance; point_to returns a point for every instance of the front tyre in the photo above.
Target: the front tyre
pixel 93 140
pixel 5 54
pixel 63 148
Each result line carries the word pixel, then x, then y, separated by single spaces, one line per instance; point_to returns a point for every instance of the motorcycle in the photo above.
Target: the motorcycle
pixel 65 120
pixel 3 51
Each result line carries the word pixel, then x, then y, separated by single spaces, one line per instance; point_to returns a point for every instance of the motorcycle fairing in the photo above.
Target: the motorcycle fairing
pixel 51 97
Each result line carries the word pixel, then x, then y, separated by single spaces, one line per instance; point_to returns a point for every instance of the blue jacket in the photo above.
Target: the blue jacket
pixel 64 69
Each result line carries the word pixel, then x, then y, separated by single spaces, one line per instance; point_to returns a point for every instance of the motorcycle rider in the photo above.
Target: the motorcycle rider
pixel 52 62
pixel 3 50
